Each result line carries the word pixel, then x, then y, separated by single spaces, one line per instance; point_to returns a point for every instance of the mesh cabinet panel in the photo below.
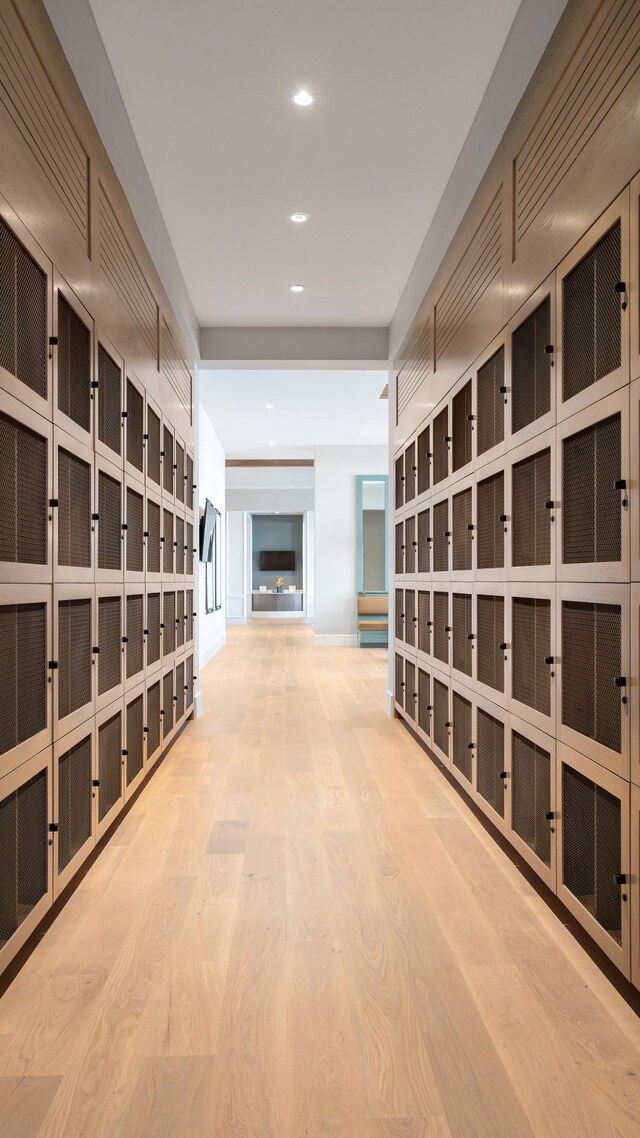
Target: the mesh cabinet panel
pixel 23 494
pixel 410 544
pixel 411 694
pixel 592 848
pixel 490 665
pixel 461 708
pixel 153 446
pixel 74 656
pixel 74 510
pixel 190 483
pixel 153 628
pixel 190 613
pixel 531 368
pixel 410 617
pixel 190 551
pixel 180 475
pixel 23 673
pixel 441 716
pixel 591 317
pixel 109 764
pixel 440 538
pixel 424 701
pixel 135 529
pixel 591 461
pixel 167 460
pixel 110 642
pixel 490 760
pixel 399 547
pixel 110 514
pixel 399 679
pixel 400 614
pixel 491 402
pixel 440 446
pixel 23 853
pixel 109 401
pixel 399 481
pixel 461 448
pixel 490 506
pixel 153 540
pixel 531 525
pixel 440 625
pixel 153 718
pixel 410 473
pixel 74 801
pixel 461 621
pixel 169 623
pixel 179 544
pixel 462 557
pixel 531 636
pixel 167 704
pixel 591 661
pixel 179 690
pixel 424 621
pixel 135 749
pixel 424 544
pixel 135 426
pixel 180 618
pixel 531 795
pixel 167 541
pixel 423 460
pixel 74 366
pixel 189 683
pixel 135 638
pixel 23 314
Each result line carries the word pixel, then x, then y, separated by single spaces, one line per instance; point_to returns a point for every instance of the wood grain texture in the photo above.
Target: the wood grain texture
pixel 368 964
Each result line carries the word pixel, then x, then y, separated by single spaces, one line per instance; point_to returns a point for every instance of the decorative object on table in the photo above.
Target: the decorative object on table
pixel 279 584
pixel 263 588
pixel 292 588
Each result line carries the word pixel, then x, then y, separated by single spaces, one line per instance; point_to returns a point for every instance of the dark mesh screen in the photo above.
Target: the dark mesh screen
pixel 531 368
pixel 424 621
pixel 110 764
pixel 167 704
pixel 23 853
pixel 399 679
pixel 180 544
pixel 74 510
pixel 135 530
pixel 441 716
pixel 109 532
pixel 167 541
pixel 461 517
pixel 153 718
pixel 424 545
pixel 490 505
pixel 490 760
pixel 23 494
pixel 410 544
pixel 410 473
pixel 189 683
pixel 74 801
pixel 190 482
pixel 531 795
pixel 424 448
pixel 74 366
pixel 167 460
pixel 411 695
pixel 490 637
pixel 440 625
pixel 153 446
pixel 440 446
pixel 180 475
pixel 531 633
pixel 110 642
pixel 153 540
pixel 135 752
pixel 491 402
pixel 400 614
pixel 462 735
pixel 135 639
pixel 424 701
pixel 399 547
pixel 23 673
pixel 180 618
pixel 462 645
pixel 169 621
pixel 591 661
pixel 189 613
pixel 410 619
pixel 461 449
pixel 531 524
pixel 592 848
pixel 440 539
pixel 135 426
pixel 109 401
pixel 190 551
pixel 591 317
pixel 399 481
pixel 592 529
pixel 153 628
pixel 74 656
pixel 23 314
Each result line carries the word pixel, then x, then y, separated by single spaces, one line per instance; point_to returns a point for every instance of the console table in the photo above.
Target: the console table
pixel 276 602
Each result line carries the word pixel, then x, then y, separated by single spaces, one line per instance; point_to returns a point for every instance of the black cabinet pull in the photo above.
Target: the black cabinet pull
pixel 620 878
pixel 621 289
pixel 548 659
pixel 620 681
pixel 549 816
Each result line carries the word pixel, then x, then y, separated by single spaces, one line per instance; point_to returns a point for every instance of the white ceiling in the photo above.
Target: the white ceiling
pixel 207 85
pixel 310 408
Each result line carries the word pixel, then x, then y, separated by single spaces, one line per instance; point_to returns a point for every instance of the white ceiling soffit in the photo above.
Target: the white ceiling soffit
pixel 208 87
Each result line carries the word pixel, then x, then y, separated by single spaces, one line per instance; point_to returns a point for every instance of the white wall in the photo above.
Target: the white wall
pixel 265 489
pixel 336 536
pixel 211 484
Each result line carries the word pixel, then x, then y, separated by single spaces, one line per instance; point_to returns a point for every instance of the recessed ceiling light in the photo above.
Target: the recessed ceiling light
pixel 296 288
pixel 299 218
pixel 272 444
pixel 269 406
pixel 303 99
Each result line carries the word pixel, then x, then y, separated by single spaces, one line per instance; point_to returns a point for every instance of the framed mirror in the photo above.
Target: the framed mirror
pixel 372 504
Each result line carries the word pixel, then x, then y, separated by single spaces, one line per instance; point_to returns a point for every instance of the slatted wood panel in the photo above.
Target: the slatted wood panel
pixel 414 369
pixel 121 269
pixel 480 265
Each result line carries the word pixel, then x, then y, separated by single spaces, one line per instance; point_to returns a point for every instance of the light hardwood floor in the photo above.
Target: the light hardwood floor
pixel 300 930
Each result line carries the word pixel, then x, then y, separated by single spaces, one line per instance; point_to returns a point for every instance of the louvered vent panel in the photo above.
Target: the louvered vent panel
pixel 441 716
pixel 23 314
pixel 135 529
pixel 169 622
pixel 476 271
pixel 23 673
pixel 414 369
pixel 591 317
pixel 592 529
pixel 179 690
pixel 167 460
pixel 153 628
pixel 135 426
pixel 153 447
pixel 119 264
pixel 153 540
pixel 400 614
pixel 531 519
pixel 411 695
pixel 462 735
pixel 74 366
pixel 591 662
pixel 399 679
pixel 167 704
pixel 110 513
pixel 180 475
pixel 461 621
pixel 461 447
pixel 399 547
pixel 167 541
pixel 74 510
pixel 180 544
pixel 74 801
pixel 490 636
pixel 424 459
pixel 135 746
pixel 531 633
pixel 531 368
pixel 424 541
pixel 490 760
pixel 399 468
pixel 190 483
pixel 109 401
pixel 410 470
pixel 109 764
pixel 410 617
pixel 190 551
pixel 531 795
pixel 74 656
pixel 190 613
pixel 189 683
pixel 424 621
pixel 491 403
pixel 462 555
pixel 180 618
pixel 410 544
pixel 23 494
pixel 153 718
pixel 23 853
pixel 110 642
pixel 440 625
pixel 490 506
pixel 440 539
pixel 440 446
pixel 424 701
pixel 592 848
pixel 135 638
pixel 175 370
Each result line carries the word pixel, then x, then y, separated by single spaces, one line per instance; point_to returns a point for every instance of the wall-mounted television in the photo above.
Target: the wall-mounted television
pixel 277 560
pixel 207 528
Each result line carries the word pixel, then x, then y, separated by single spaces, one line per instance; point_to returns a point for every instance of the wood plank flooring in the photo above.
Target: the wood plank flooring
pixel 300 931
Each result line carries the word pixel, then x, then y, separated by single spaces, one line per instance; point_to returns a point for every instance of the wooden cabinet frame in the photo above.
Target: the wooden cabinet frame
pixel 60 287
pixel 19 571
pixel 25 595
pixel 535 445
pixel 101 448
pixel 107 712
pixel 73 573
pixel 60 747
pixel 544 422
pixel 541 739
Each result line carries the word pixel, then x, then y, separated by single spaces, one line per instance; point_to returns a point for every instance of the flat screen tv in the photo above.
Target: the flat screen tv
pixel 207 527
pixel 277 560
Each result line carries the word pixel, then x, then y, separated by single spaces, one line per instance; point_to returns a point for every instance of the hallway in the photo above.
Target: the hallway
pixel 308 936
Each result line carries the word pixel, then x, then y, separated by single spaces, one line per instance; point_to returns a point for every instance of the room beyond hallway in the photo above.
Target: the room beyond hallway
pixel 300 929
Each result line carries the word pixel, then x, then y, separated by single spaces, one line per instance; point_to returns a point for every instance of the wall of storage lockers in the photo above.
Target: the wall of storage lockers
pixel 517 474
pixel 96 488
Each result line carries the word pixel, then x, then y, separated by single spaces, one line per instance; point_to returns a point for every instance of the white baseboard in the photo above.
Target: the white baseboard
pixel 388 702
pixel 328 640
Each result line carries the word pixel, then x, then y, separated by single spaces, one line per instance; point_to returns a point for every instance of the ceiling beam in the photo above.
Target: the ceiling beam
pixel 269 462
pixel 284 348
